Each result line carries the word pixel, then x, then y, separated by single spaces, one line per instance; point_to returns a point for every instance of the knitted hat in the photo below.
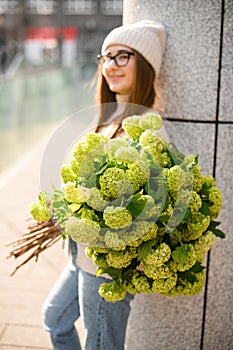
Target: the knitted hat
pixel 146 37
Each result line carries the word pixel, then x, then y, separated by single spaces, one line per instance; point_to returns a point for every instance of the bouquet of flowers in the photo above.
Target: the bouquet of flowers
pixel 144 210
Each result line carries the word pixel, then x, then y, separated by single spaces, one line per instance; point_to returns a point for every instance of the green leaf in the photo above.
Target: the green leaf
pixel 192 164
pixel 189 275
pixel 217 232
pixel 43 197
pixel 116 274
pixel 133 143
pixel 188 214
pixel 144 249
pixel 74 207
pixel 174 154
pixel 180 253
pixel 102 169
pixel 214 224
pixel 164 218
pixel 100 271
pixel 146 188
pixel 205 187
pixel 155 169
pixel 64 235
pixel 197 267
pixel 205 208
pixel 57 204
pixel 136 205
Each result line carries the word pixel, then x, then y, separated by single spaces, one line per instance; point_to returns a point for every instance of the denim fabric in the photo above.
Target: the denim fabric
pixel 61 308
pixel 105 323
pixel 76 293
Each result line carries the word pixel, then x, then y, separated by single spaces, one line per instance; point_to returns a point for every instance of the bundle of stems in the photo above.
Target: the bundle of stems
pixel 37 238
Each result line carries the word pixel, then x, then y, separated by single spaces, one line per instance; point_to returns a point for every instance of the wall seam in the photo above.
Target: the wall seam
pixel 199 121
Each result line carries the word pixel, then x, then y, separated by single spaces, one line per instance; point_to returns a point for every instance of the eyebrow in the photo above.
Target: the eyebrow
pixel 118 51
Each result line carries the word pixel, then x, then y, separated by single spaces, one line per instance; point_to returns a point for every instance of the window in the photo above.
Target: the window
pixel 83 7
pixel 41 7
pixel 8 6
pixel 111 7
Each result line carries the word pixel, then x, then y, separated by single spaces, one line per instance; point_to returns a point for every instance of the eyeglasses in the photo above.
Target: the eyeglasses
pixel 121 59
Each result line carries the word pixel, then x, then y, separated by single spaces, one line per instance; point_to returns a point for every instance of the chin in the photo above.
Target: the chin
pixel 118 91
pixel 114 89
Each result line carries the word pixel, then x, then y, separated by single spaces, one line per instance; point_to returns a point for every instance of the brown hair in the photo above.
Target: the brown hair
pixel 143 91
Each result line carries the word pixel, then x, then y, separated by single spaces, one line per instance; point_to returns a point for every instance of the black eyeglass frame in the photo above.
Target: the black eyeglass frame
pixel 129 53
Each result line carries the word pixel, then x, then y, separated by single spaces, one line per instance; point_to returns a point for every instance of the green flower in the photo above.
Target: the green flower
pixel 158 255
pixel 164 285
pixel 94 199
pixel 126 154
pixel 141 282
pixel 157 272
pixel 137 175
pixel 184 257
pixel 122 258
pixel 82 230
pixel 150 121
pixel 112 292
pixel 117 217
pixel 215 199
pixel 188 199
pixel 113 241
pixel 68 174
pixel 40 212
pixel 203 244
pixel 114 183
pixel 113 145
pixel 131 126
pixel 197 224
pixel 74 194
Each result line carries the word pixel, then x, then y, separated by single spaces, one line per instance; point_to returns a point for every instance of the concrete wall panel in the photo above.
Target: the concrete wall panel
pixel 189 75
pixel 157 322
pixel 226 79
pixel 219 311
pixel 196 81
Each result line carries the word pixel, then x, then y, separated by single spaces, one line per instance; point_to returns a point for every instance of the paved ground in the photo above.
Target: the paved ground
pixel 22 295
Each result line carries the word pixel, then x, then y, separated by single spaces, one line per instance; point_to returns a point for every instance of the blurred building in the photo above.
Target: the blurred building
pixel 55 31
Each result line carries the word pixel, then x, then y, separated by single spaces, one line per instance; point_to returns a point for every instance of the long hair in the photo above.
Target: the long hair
pixel 142 94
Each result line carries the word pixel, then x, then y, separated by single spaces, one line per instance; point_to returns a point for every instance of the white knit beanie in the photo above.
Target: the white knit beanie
pixel 146 37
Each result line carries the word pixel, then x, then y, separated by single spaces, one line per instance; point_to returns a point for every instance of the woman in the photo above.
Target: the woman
pixel 129 65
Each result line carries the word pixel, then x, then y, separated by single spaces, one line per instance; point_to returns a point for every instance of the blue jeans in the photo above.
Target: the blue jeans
pixel 61 308
pixel 104 322
pixel 76 294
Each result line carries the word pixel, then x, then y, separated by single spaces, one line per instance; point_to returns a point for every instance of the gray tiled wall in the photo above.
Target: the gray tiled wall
pixel 197 84
pixel 226 90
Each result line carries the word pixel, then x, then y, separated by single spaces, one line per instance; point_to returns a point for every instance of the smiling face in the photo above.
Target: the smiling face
pixel 119 79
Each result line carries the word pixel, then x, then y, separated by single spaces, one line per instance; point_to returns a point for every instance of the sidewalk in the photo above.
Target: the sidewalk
pixel 22 295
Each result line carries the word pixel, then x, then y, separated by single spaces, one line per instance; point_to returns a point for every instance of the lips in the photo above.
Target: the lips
pixel 115 77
